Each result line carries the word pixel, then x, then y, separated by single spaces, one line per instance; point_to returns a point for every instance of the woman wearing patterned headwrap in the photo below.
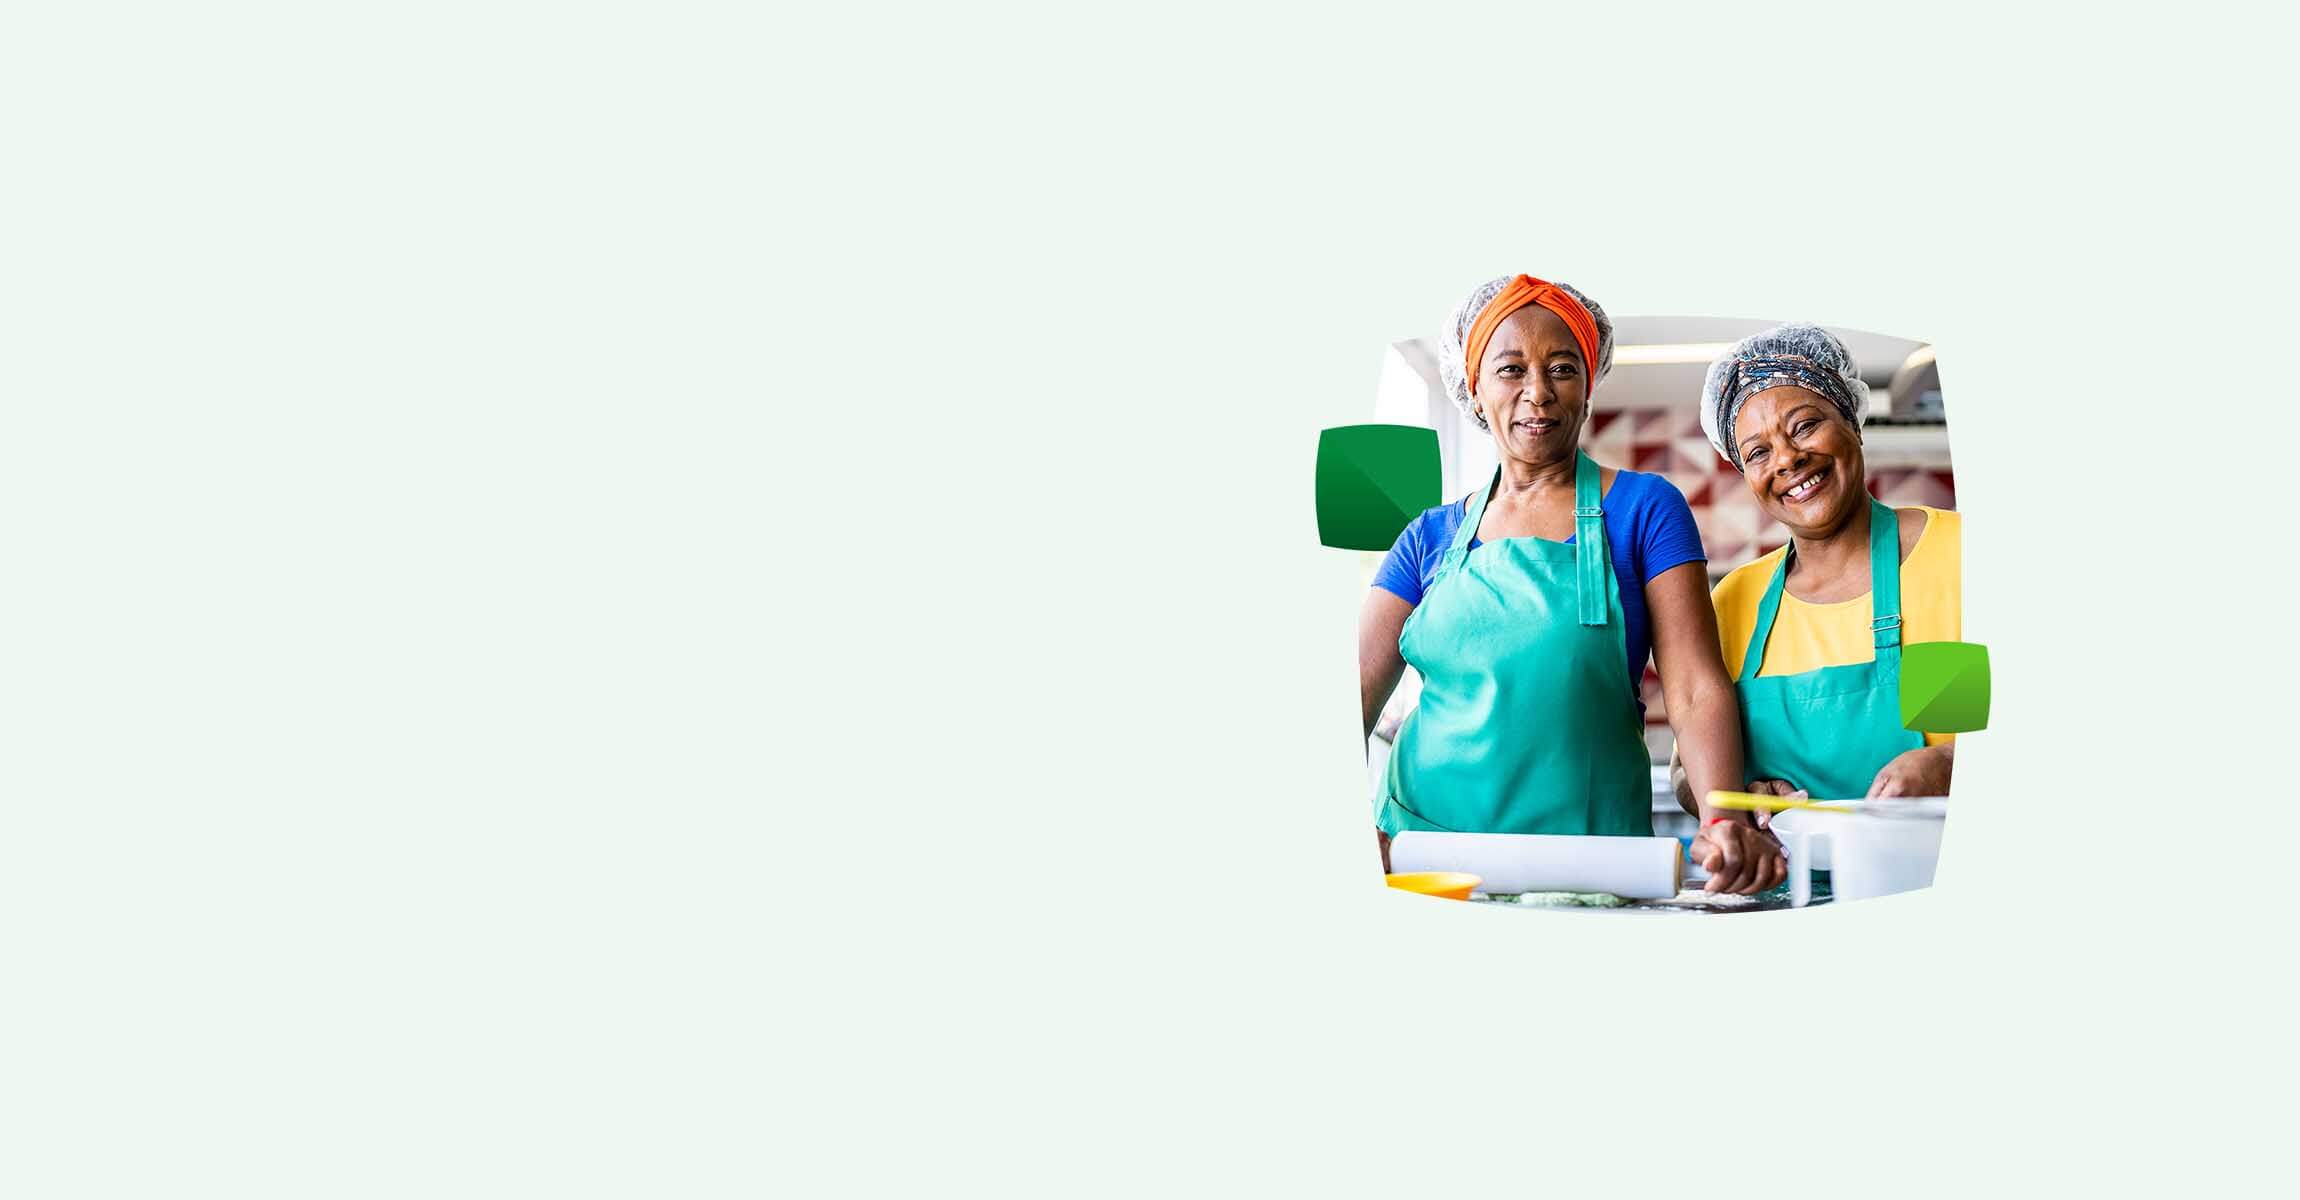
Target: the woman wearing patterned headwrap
pixel 1530 607
pixel 1813 631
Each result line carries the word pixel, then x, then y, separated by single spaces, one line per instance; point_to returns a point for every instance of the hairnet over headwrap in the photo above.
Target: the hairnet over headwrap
pixel 1455 340
pixel 1799 356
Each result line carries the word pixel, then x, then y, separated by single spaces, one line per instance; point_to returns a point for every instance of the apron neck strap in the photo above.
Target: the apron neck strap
pixel 1884 593
pixel 1459 550
pixel 1885 578
pixel 1588 541
pixel 1589 548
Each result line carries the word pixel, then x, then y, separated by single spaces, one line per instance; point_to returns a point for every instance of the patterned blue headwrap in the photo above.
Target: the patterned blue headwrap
pixel 1801 356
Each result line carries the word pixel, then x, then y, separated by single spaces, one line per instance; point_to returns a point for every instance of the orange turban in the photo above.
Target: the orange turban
pixel 1519 293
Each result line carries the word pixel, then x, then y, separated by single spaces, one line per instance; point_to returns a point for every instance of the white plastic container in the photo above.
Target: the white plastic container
pixel 1883 847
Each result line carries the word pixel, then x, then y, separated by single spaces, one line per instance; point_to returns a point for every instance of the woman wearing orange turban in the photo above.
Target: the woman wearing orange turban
pixel 1530 607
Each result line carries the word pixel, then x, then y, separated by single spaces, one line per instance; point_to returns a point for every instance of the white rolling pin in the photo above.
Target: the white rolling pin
pixel 1636 868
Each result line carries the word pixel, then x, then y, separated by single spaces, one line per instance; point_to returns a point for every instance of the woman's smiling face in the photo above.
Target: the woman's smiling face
pixel 1801 458
pixel 1533 387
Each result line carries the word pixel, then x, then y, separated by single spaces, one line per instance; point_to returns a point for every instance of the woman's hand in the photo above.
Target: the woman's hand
pixel 1773 787
pixel 1922 772
pixel 1385 840
pixel 1741 859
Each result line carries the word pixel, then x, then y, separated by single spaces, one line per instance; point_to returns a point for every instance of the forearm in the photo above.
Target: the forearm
pixel 1379 664
pixel 1708 729
pixel 1704 709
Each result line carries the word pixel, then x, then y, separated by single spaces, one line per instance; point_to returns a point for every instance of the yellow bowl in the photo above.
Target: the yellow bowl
pixel 1453 885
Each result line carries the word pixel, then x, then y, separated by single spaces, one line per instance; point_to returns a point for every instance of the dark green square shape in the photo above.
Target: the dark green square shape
pixel 1372 481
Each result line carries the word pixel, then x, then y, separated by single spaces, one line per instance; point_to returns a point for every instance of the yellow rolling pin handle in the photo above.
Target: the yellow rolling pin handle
pixel 1750 802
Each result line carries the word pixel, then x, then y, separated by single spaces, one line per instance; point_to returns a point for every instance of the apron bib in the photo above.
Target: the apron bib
pixel 1527 721
pixel 1831 730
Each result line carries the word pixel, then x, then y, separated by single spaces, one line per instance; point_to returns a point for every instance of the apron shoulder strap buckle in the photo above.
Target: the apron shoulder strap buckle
pixel 1881 624
pixel 1588 512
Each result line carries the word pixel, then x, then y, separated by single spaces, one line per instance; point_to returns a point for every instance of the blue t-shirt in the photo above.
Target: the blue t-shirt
pixel 1648 527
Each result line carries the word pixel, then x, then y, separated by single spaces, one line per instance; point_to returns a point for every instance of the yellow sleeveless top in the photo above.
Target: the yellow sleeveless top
pixel 1807 637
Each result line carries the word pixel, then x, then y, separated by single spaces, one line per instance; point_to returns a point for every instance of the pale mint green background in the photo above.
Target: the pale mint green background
pixel 711 600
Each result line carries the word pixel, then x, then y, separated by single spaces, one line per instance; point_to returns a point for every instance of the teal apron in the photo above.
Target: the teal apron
pixel 1830 731
pixel 1528 722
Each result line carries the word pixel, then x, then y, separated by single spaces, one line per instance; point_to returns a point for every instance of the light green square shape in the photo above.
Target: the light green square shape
pixel 1944 687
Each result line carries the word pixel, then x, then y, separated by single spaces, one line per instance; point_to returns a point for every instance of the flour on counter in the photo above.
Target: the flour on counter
pixel 1693 895
pixel 1571 899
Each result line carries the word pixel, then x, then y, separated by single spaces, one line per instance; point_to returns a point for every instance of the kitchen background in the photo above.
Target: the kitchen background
pixel 1646 417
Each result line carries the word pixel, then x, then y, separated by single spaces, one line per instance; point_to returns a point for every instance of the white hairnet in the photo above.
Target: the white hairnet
pixel 1793 355
pixel 1454 338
